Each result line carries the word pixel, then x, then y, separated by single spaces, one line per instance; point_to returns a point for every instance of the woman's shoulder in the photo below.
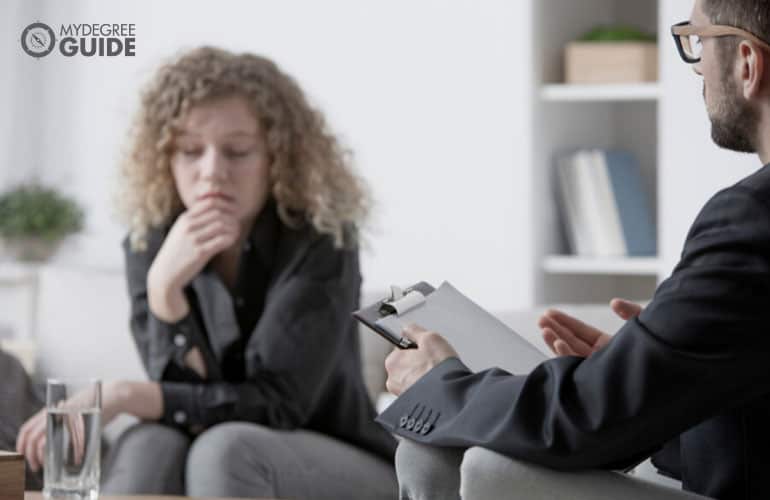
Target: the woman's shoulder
pixel 306 252
pixel 144 253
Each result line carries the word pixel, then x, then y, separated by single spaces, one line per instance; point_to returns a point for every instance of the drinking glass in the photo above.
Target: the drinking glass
pixel 73 438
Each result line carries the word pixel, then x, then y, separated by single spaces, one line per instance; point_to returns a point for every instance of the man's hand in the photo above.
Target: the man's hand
pixel 204 230
pixel 568 336
pixel 406 366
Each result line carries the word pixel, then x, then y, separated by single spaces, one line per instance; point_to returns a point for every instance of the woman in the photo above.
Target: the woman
pixel 243 271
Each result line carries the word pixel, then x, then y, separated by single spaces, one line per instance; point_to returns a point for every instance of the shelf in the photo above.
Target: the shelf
pixel 16 273
pixel 623 266
pixel 599 93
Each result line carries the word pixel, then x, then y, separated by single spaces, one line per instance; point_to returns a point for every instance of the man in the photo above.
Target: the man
pixel 691 370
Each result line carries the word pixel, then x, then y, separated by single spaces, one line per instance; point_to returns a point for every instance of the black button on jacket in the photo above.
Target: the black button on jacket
pixel 287 358
pixel 694 365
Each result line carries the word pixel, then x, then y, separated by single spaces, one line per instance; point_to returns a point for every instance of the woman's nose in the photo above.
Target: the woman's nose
pixel 213 165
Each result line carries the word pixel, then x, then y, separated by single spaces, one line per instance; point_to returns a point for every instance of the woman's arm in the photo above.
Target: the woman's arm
pixel 144 400
pixel 296 347
pixel 161 322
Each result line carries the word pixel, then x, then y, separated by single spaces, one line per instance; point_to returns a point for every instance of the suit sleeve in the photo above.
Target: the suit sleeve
pixel 698 348
pixel 292 353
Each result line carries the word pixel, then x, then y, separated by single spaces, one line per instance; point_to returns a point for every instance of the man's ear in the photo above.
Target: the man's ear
pixel 752 70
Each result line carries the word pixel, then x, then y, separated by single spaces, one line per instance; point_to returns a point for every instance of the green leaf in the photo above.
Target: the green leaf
pixel 35 211
pixel 617 33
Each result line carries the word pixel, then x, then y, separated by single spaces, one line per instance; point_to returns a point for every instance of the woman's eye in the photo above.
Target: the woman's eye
pixel 238 153
pixel 190 152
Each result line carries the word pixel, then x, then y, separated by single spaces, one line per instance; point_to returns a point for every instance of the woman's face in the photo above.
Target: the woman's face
pixel 220 151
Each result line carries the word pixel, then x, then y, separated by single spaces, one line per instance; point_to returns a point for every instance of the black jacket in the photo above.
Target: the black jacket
pixel 299 367
pixel 695 364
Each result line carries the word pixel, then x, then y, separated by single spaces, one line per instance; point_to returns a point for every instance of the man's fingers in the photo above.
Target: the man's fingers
pixel 391 367
pixel 414 332
pixel 584 332
pixel 563 349
pixel 625 308
pixel 550 338
pixel 569 336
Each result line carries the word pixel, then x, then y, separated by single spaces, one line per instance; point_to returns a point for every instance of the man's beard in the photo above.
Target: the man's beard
pixel 733 121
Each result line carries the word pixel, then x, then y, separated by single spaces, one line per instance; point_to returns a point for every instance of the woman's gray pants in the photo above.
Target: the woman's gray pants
pixel 239 459
pixel 427 472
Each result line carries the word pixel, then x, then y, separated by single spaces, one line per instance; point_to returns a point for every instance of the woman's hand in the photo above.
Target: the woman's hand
pixel 141 399
pixel 568 336
pixel 206 229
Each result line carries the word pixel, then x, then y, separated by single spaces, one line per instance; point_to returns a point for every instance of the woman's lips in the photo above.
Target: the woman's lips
pixel 215 194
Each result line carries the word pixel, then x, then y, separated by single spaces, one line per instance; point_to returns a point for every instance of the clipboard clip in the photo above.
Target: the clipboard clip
pixel 401 301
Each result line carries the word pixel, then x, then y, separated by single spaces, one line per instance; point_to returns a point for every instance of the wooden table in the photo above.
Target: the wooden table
pixel 36 495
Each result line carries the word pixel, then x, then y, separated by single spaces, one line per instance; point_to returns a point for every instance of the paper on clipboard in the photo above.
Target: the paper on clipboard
pixel 465 324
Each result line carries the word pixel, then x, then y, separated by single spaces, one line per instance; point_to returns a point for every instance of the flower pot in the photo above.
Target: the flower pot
pixel 29 249
pixel 611 62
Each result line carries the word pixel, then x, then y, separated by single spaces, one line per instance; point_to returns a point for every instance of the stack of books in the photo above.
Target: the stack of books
pixel 11 476
pixel 604 206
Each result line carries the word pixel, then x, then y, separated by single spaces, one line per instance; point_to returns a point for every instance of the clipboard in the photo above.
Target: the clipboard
pixel 399 302
pixel 467 326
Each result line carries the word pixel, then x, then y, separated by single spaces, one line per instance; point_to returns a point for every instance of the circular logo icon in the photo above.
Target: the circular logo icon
pixel 38 39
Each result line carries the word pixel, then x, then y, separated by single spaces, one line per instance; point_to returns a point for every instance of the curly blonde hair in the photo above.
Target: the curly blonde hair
pixel 311 178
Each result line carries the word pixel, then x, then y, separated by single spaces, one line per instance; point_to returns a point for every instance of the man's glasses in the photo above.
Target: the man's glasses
pixel 688 38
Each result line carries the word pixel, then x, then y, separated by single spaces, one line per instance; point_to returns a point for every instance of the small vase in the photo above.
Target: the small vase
pixel 29 249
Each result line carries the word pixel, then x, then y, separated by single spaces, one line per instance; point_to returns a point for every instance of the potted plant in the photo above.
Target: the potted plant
pixel 35 219
pixel 612 54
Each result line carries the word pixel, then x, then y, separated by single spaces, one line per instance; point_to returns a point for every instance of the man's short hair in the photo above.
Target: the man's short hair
pixel 750 15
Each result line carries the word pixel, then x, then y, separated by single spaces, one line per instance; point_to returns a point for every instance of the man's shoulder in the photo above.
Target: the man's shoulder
pixel 753 190
pixel 757 184
pixel 743 207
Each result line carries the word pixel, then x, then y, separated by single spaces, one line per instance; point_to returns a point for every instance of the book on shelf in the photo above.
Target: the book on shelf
pixel 604 205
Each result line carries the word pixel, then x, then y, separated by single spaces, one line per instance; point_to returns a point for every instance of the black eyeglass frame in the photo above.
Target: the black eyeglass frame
pixel 685 28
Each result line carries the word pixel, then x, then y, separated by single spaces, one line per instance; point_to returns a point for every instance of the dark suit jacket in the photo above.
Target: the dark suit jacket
pixel 694 364
pixel 299 367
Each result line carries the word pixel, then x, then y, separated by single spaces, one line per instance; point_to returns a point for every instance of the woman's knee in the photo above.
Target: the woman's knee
pixel 223 455
pixel 224 443
pixel 147 458
pixel 152 436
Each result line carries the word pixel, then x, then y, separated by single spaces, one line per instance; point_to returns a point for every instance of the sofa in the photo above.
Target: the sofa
pixel 82 331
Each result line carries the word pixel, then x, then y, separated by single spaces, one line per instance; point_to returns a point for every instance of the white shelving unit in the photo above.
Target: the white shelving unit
pixel 565 117
pixel 599 93
pixel 630 266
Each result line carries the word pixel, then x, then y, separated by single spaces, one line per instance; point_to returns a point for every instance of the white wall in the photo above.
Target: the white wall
pixel 430 96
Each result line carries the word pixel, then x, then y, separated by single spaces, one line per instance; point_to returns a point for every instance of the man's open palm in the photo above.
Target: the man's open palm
pixel 568 336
